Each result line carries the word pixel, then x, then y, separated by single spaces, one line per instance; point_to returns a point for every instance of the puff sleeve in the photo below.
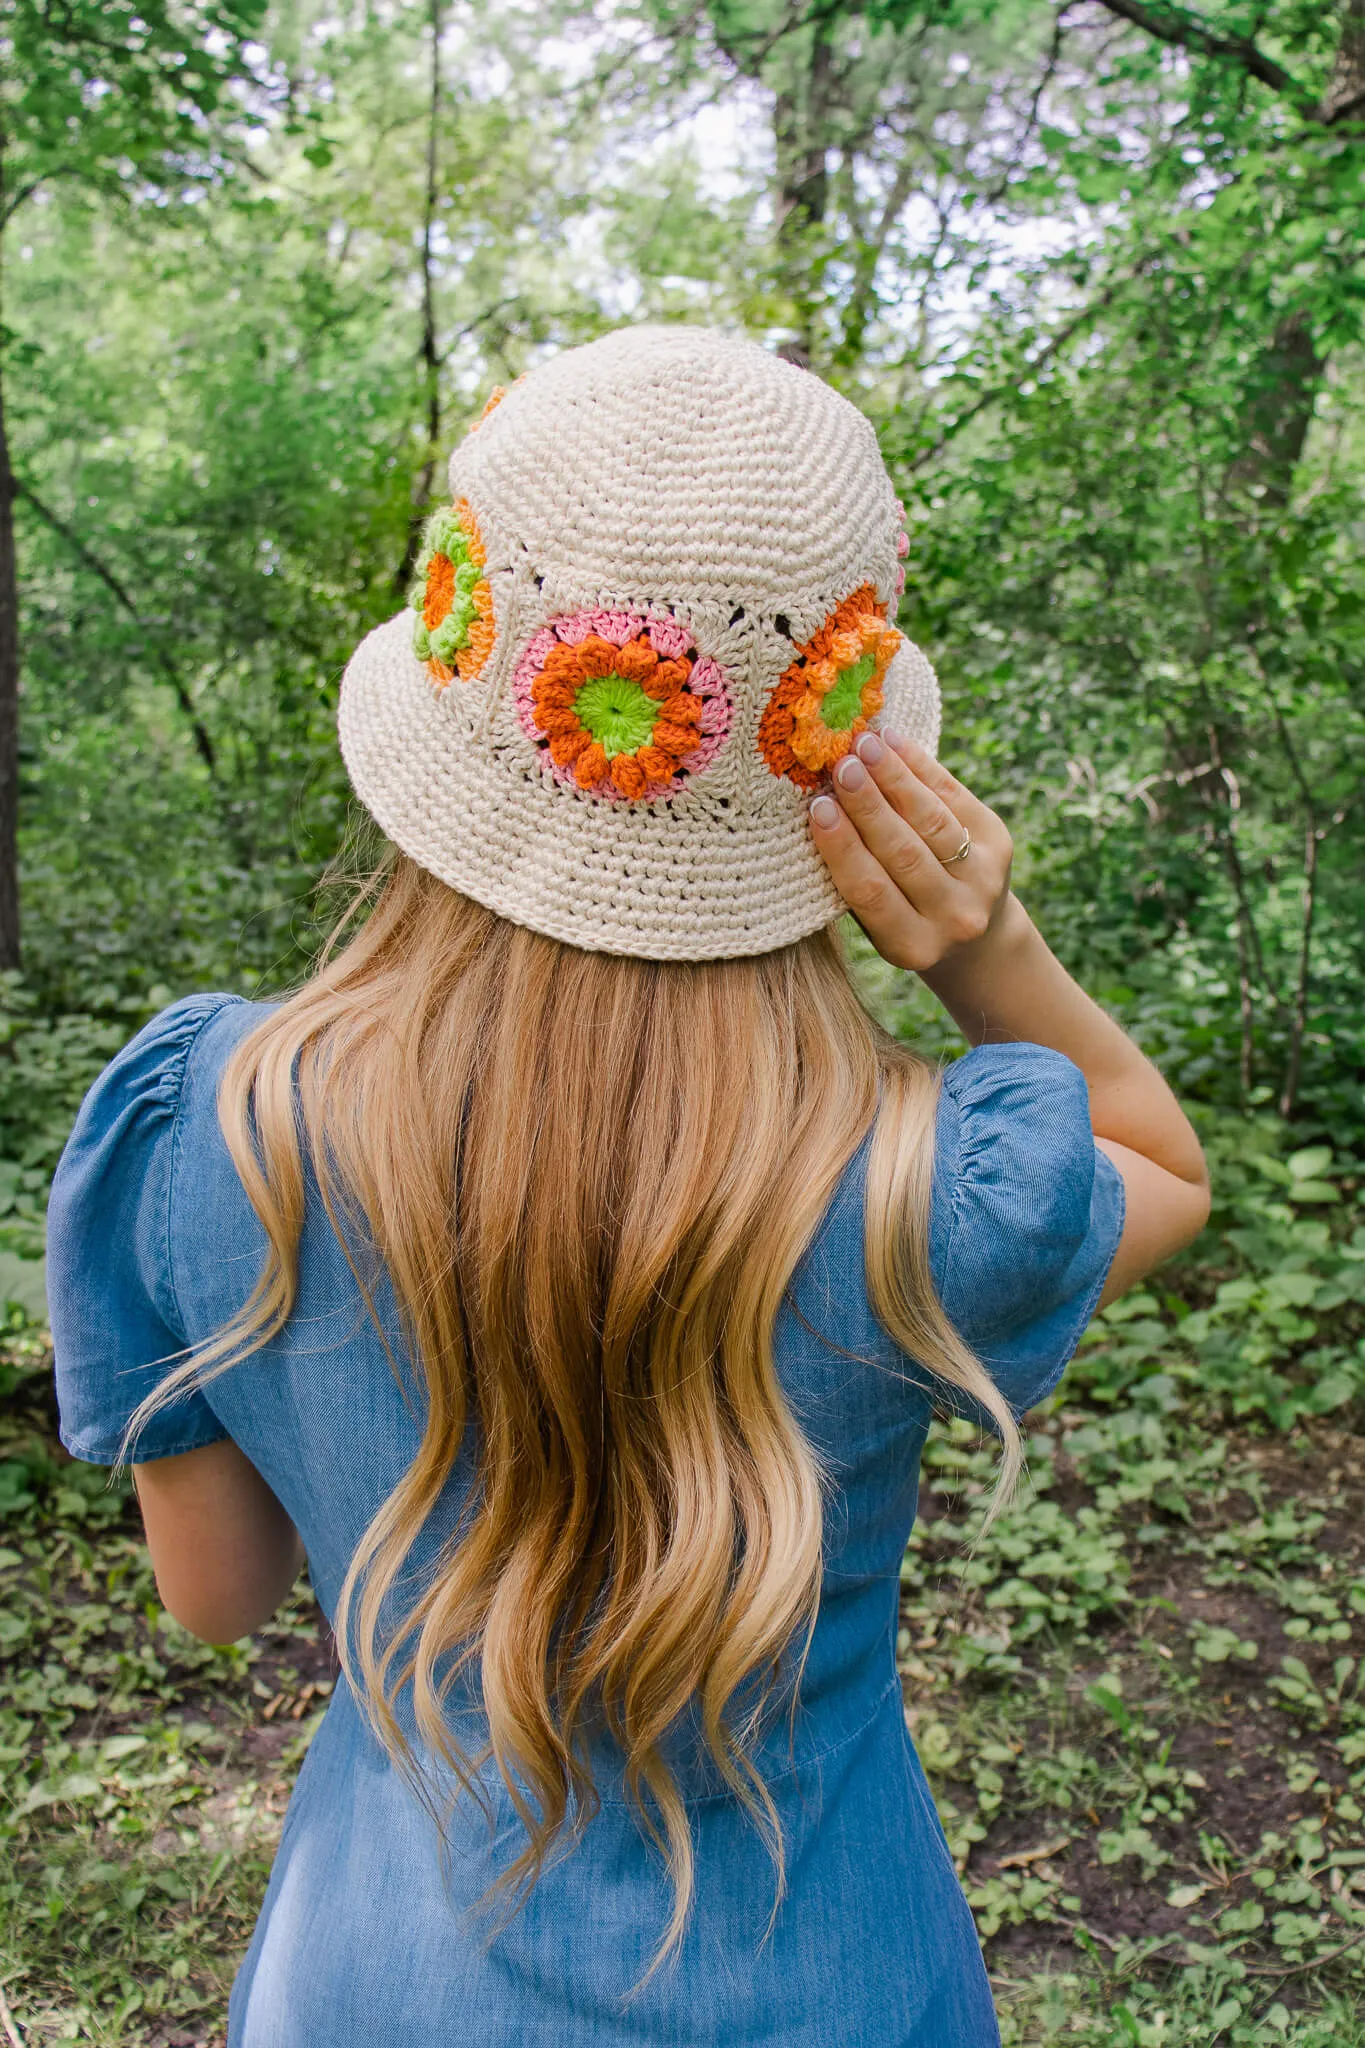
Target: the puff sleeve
pixel 116 1326
pixel 1027 1213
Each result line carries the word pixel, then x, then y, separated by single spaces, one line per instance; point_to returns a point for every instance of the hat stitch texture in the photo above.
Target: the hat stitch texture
pixel 673 528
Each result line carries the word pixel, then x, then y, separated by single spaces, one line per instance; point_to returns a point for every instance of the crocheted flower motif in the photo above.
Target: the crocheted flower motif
pixel 622 706
pixel 452 597
pixel 829 693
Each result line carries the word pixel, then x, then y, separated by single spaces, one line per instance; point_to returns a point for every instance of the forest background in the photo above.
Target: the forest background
pixel 1093 269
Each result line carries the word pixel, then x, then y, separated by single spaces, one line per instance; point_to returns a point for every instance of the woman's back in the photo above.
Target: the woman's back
pixel 873 1942
pixel 570 1265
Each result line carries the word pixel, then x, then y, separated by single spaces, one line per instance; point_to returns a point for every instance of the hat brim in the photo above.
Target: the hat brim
pixel 695 877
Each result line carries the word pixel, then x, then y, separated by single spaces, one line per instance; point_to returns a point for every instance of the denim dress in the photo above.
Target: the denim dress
pixel 368 1933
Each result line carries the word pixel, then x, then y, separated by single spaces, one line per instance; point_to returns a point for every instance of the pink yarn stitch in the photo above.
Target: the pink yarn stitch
pixel 706 679
pixel 528 668
pixel 702 756
pixel 902 544
pixel 618 627
pixel 671 640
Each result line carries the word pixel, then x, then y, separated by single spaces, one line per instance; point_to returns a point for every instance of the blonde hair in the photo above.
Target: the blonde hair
pixel 589 1180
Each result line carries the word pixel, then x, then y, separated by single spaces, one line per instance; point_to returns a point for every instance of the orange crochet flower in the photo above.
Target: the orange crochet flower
pixel 830 691
pixel 623 706
pixel 452 597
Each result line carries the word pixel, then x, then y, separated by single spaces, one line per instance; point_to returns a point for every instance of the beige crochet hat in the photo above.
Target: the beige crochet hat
pixel 656 613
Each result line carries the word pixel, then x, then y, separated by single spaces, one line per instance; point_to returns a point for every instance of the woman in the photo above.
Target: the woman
pixel 570 1268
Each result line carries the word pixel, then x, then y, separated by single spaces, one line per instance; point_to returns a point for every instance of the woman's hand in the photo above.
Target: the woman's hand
pixel 894 845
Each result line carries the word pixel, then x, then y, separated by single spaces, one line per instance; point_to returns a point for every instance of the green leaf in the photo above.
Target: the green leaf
pixel 1244 1919
pixel 1335 1391
pixel 119 1746
pixel 23 1285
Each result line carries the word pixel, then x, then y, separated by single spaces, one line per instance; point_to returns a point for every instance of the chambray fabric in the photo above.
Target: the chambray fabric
pixel 368 1932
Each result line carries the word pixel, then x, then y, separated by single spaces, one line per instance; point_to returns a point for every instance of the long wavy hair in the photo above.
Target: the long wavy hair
pixel 589 1180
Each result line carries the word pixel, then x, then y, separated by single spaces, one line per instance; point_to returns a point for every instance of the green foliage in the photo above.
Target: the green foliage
pixel 119 94
pixel 1144 573
pixel 1268 1318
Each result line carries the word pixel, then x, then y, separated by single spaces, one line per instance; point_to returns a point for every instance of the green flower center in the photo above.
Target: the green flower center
pixel 619 714
pixel 844 702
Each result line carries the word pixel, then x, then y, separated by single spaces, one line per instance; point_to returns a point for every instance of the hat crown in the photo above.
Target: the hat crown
pixel 657 611
pixel 674 462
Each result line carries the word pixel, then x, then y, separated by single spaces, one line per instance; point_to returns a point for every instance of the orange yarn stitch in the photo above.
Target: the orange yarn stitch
pixel 567 747
pixel 591 765
pixel 628 775
pixel 494 399
pixel 440 590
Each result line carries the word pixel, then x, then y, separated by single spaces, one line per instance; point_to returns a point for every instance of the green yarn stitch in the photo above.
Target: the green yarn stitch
pixel 618 713
pixel 844 702
pixel 444 535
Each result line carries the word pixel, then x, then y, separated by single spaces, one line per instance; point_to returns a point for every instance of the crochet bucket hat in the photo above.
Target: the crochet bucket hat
pixel 655 614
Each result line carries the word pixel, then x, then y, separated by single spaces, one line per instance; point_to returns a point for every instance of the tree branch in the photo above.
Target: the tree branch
pixel 429 356
pixel 1187 31
pixel 1053 59
pixel 35 185
pixel 1052 347
pixel 121 596
pixel 1344 99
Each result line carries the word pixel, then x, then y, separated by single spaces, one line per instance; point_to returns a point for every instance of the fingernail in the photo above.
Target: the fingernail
pixel 869 749
pixel 850 773
pixel 824 812
pixel 895 740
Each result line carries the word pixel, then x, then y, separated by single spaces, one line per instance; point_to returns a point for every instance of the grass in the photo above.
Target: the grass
pixel 143 1776
pixel 1140 1702
pixel 1140 1696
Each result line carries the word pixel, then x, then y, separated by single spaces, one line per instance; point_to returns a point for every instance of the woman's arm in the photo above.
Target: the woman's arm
pixel 224 1551
pixel 899 817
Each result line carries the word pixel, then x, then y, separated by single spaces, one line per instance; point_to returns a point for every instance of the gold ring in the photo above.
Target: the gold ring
pixel 961 853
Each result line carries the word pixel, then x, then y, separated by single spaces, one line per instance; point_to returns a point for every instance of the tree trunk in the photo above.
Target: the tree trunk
pixel 1280 399
pixel 1284 384
pixel 800 126
pixel 9 697
pixel 428 354
pixel 1289 1092
pixel 867 254
pixel 1345 96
